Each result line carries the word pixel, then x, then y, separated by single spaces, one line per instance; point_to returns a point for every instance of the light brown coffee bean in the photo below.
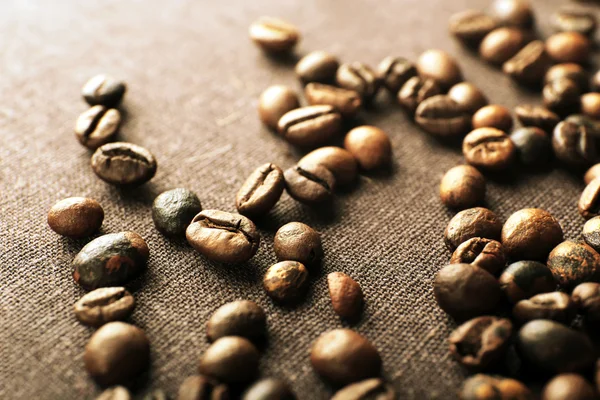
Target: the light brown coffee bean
pixel 286 281
pixel 370 146
pixel 76 217
pixel 97 126
pixel 317 66
pixel 347 102
pixel 339 161
pixel 310 126
pixel 439 66
pixel 104 305
pixel 501 44
pixel 274 103
pixel 274 35
pixel 346 295
pixel 489 149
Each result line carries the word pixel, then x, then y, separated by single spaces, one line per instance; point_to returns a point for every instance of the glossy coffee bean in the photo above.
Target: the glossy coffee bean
pixel 317 66
pixel 415 91
pixel 103 90
pixel 200 387
pixel 493 116
pixel 286 281
pixel 591 174
pixel 342 356
pixel 590 105
pixel 269 389
pixel 486 387
pixel 443 117
pixel 309 183
pixel 339 161
pixel 462 187
pixel 470 223
pixel 537 116
pixel 595 82
pixel 513 13
pixel 471 26
pixel 370 146
pixel 369 389
pixel 556 306
pixel 439 66
pixel 588 205
pixel 310 126
pixel 572 71
pixel 573 20
pixel 346 295
pixel 562 96
pixel 358 77
pixel 489 149
pixel 525 279
pixel 116 353
pixel 260 191
pixel 485 253
pixel 97 126
pixel 529 65
pixel 110 260
pixel 274 35
pixel 123 163
pixel 76 217
pixel 586 297
pixel 242 318
pixel 468 96
pixel 296 241
pixel 223 237
pixel 572 263
pixel 569 387
pixel 533 145
pixel 501 44
pixel 393 72
pixel 230 359
pixel 346 102
pixel 173 210
pixel 274 103
pixel 104 305
pixel 567 47
pixel 574 143
pixel 115 393
pixel 591 233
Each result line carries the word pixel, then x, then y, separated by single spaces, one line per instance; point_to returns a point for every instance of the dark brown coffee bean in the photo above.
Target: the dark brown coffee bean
pixel 346 295
pixel 261 190
pixel 501 44
pixel 242 318
pixel 286 281
pixel 340 162
pixel 485 253
pixel 566 47
pixel 223 237
pixel 462 187
pixel 569 387
pixel 573 263
pixel 115 393
pixel 230 359
pixel 439 66
pixel 274 103
pixel 110 260
pixel 296 241
pixel 591 233
pixel 537 116
pixel 310 126
pixel 347 102
pixel 529 65
pixel 317 66
pixel 269 389
pixel 574 143
pixel 573 20
pixel 556 306
pixel 489 149
pixel 468 96
pixel 393 72
pixel 123 163
pixel 513 13
pixel 200 387
pixel 309 183
pixel 590 105
pixel 562 96
pixel 103 90
pixel 525 279
pixel 370 146
pixel 369 389
pixel 572 71
pixel 76 217
pixel 342 356
pixel 486 387
pixel 588 205
pixel 442 116
pixel 116 353
pixel 274 35
pixel 586 297
pixel 493 116
pixel 533 145
pixel 104 305
pixel 470 223
pixel 358 77
pixel 173 210
pixel 480 342
pixel 415 91
pixel 471 26
pixel 591 174
pixel 97 126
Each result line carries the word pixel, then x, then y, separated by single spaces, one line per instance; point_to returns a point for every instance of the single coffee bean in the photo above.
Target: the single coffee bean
pixel 317 66
pixel 230 359
pixel 274 103
pixel 590 105
pixel 223 237
pixel 156 395
pixel 573 20
pixel 104 305
pixel 501 44
pixel 346 295
pixel 286 281
pixel 551 346
pixel 566 47
pixel 530 234
pixel 242 318
pixel 274 35
pixel 309 183
pixel 339 161
pixel 480 342
pixel 439 66
pixel 591 233
pixel 485 253
pixel 489 149
pixel 533 145
pixel 537 116
pixel 370 146
pixel 116 353
pixel 261 190
pixel 123 163
pixel 572 71
pixel 173 210
pixel 343 356
pixel 556 306
pixel 591 174
pixel 588 205
pixel 310 126
pixel 525 279
pixel 462 187
pixel 269 389
pixel 393 72
pixel 200 387
pixel 562 96
pixel 110 260
pixel 369 389
pixel 572 263
pixel 103 90
pixel 493 116
pixel 486 387
pixel 358 77
pixel 468 96
pixel 470 223
pixel 347 102
pixel 442 116
pixel 415 91
pixel 115 393
pixel 471 26
pixel 76 217
pixel 569 386
pixel 296 241
pixel 513 13
pixel 529 65
pixel 574 143
pixel 586 297
pixel 97 126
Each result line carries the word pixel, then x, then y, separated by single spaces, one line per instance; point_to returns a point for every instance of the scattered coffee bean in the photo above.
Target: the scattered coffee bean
pixel 573 20
pixel 468 96
pixel 568 47
pixel 415 91
pixel 309 183
pixel 370 146
pixel 104 305
pixel 97 126
pixel 501 44
pixel 442 116
pixel 347 102
pixel 529 65
pixel 223 237
pixel 274 35
pixel 562 96
pixel 123 163
pixel 537 116
pixel 533 145
pixel 485 253
pixel 574 143
pixel 493 116
pixel 439 66
pixel 573 263
pixel 339 161
pixel 513 13
pixel 269 389
pixel 590 105
pixel 296 241
pixel 156 395
pixel 76 217
pixel 591 233
pixel 369 389
pixel 230 359
pixel 568 387
pixel 286 281
pixel 261 190
pixel 358 77
pixel 486 387
pixel 310 126
pixel 200 387
pixel 586 297
pixel 572 71
pixel 317 66
pixel 471 26
pixel 346 295
pixel 115 393
pixel 103 90
pixel 242 318
pixel 274 103
pixel 525 279
pixel 470 223
pixel 393 72
pixel 591 174
pixel 173 210
pixel 462 187
pixel 489 149
pixel 556 306
pixel 588 205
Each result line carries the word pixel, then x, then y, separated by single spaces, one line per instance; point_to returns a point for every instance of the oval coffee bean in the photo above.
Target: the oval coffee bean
pixel 104 305
pixel 173 210
pixel 200 387
pixel 223 237
pixel 296 241
pixel 591 233
pixel 591 174
pixel 468 96
pixel 317 66
pixel 556 306
pixel 534 146
pixel 115 393
pixel 370 146
pixel 525 279
pixel 462 187
pixel 588 205
pixel 242 318
pixel 562 96
pixel 339 161
pixel 565 47
pixel 310 126
pixel 415 91
pixel 358 77
pixel 513 13
pixel 572 263
pixel 586 297
pixel 442 116
pixel 347 102
pixel 485 253
pixel 489 148
pixel 309 183
pixel 393 72
pixel 529 65
pixel 471 26
pixel 269 389
pixel 231 360
pixel 122 163
pixel 501 44
pixel 590 105
pixel 97 126
pixel 103 90
pixel 470 223
pixel 569 386
pixel 261 190
pixel 76 217
pixel 110 260
pixel 286 281
pixel 486 387
pixel 537 116
pixel 346 295
pixel 274 35
pixel 572 71
pixel 493 116
pixel 369 389
pixel 274 103
pixel 439 66
pixel 573 20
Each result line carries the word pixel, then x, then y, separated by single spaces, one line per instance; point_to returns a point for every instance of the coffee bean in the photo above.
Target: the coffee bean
pixel 572 71
pixel 347 102
pixel 230 359
pixel 103 90
pixel 574 143
pixel 358 77
pixel 468 96
pixel 223 237
pixel 296 241
pixel 568 47
pixel 442 116
pixel 346 295
pixel 573 263
pixel 462 187
pixel 589 202
pixel 537 116
pixel 342 356
pixel 415 91
pixel 173 210
pixel 274 35
pixel 242 318
pixel 569 386
pixel 104 305
pixel 269 389
pixel 529 65
pixel 317 66
pixel 591 233
pixel 110 260
pixel 590 105
pixel 573 20
pixel 200 387
pixel 370 146
pixel 76 217
pixel 530 234
pixel 480 342
pixel 493 116
pixel 97 126
pixel 123 163
pixel 115 393
pixel 439 66
pixel 533 145
pixel 556 306
pixel 116 353
pixel 471 26
pixel 369 389
pixel 340 162
pixel 562 96
pixel 156 395
pixel 591 174
pixel 586 297
pixel 501 44
pixel 274 103
pixel 489 149
pixel 486 387
pixel 485 253
pixel 286 281
pixel 513 13
pixel 309 183
pixel 310 126
pixel 261 191
pixel 525 279
pixel 393 72
pixel 470 223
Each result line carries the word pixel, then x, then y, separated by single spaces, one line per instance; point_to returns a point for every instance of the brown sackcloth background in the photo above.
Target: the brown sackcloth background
pixel 194 79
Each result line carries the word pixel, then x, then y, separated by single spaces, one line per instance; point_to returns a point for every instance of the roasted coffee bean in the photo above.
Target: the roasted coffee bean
pixel 104 305
pixel 242 318
pixel 358 77
pixel 261 190
pixel 274 35
pixel 346 295
pixel 116 353
pixel 296 241
pixel 530 234
pixel 223 237
pixel 513 13
pixel 586 297
pixel 525 279
pixel 123 163
pixel 340 162
pixel 529 65
pixel 156 395
pixel 343 356
pixel 470 223
pixel 591 233
pixel 533 145
pixel 537 116
pixel 269 389
pixel 493 116
pixel 573 263
pixel 310 126
pixel 468 96
pixel 439 66
pixel 317 66
pixel 551 346
pixel 566 47
pixel 471 26
pixel 369 389
pixel 115 393
pixel 569 387
pixel 561 96
pixel 574 143
pixel 347 102
pixel 76 217
pixel 462 187
pixel 465 291
pixel 591 174
pixel 573 20
pixel 230 359
pixel 200 387
pixel 286 281
pixel 393 72
pixel 556 306
pixel 442 116
pixel 97 126
pixel 486 387
pixel 595 82
pixel 485 253
pixel 501 44
pixel 274 103
pixel 415 91
pixel 572 71
pixel 480 342
pixel 489 149
pixel 309 183
pixel 173 211
pixel 370 146
pixel 110 260
pixel 103 90
pixel 588 205
pixel 590 105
